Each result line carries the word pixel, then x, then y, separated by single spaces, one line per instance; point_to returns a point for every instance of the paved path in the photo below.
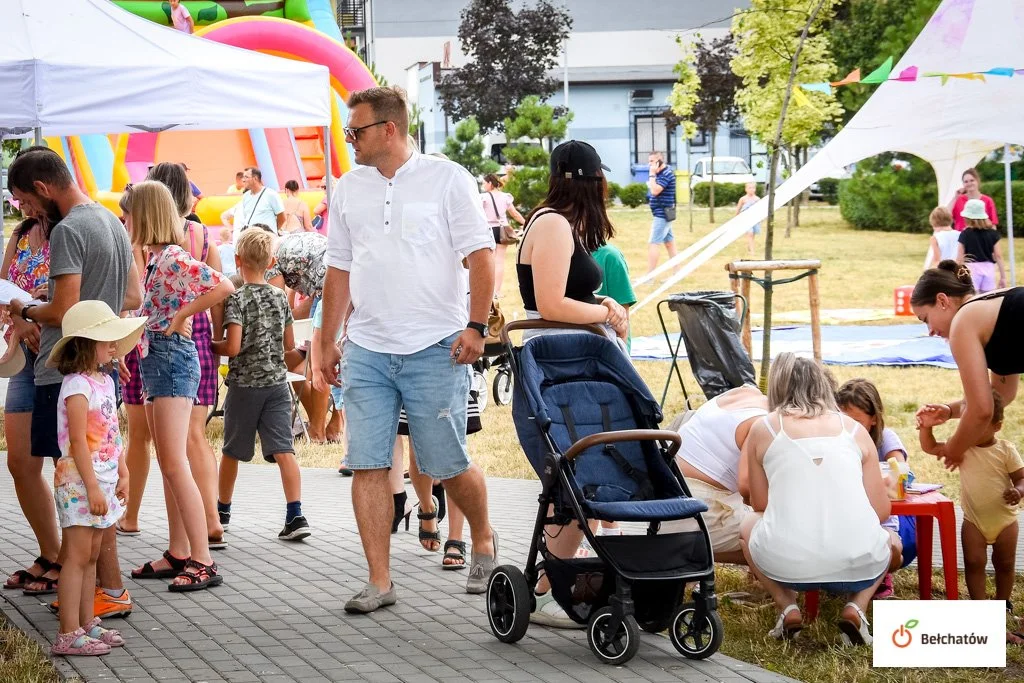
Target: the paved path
pixel 279 616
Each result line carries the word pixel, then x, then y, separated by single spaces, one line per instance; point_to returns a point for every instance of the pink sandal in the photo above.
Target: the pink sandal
pixel 107 635
pixel 78 643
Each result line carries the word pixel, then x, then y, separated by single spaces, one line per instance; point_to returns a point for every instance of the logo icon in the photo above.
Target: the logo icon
pixel 902 637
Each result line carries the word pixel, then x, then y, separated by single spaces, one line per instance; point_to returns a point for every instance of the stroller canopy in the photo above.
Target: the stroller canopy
pixel 553 358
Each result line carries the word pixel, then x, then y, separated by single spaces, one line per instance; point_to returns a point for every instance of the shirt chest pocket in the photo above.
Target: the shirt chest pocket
pixel 421 222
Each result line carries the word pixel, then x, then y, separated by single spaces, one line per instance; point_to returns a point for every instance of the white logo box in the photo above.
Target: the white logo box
pixel 939 633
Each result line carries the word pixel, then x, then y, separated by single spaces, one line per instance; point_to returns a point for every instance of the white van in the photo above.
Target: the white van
pixel 727 170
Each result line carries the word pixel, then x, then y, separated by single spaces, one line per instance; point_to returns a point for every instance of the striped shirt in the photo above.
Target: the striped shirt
pixel 667 179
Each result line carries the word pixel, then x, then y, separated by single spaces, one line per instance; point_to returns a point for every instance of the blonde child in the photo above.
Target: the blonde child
pixel 991 485
pixel 226 250
pixel 177 286
pixel 859 399
pixel 745 202
pixel 90 480
pixel 258 332
pixel 944 239
pixel 979 248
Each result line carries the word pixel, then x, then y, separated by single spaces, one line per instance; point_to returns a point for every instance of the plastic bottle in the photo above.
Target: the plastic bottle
pixel 898 471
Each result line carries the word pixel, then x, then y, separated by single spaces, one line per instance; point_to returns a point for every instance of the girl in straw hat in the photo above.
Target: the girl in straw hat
pixel 90 478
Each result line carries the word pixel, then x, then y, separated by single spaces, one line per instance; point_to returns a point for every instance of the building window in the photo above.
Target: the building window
pixel 650 134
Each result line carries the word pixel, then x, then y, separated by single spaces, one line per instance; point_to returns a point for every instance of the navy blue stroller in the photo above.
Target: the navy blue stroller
pixel 589 426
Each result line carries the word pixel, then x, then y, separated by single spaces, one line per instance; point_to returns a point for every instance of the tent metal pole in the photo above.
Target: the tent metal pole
pixel 1009 214
pixel 328 176
pixel 37 136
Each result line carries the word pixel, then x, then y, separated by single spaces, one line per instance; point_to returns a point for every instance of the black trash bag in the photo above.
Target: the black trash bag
pixel 711 333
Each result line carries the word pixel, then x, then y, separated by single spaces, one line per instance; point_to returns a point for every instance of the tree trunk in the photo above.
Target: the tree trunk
pixel 766 338
pixel 711 193
pixel 800 197
pixel 689 184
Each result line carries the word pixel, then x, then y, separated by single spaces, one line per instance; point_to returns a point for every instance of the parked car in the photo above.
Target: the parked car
pixel 727 170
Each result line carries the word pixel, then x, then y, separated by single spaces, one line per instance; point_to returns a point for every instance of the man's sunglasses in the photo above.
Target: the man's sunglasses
pixel 354 132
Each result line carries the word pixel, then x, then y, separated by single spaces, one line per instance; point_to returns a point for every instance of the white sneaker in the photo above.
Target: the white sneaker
pixel 549 613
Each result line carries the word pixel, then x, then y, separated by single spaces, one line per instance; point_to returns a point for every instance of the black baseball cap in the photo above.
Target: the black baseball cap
pixel 577 160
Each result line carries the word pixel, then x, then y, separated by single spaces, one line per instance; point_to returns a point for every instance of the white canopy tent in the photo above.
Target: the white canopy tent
pixel 75 67
pixel 952 125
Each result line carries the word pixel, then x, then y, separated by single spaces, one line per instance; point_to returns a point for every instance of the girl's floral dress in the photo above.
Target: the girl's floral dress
pixel 105 446
pixel 173 280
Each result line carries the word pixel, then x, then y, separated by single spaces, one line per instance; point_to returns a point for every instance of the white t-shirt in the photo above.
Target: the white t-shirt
pixel 402 241
pixel 261 207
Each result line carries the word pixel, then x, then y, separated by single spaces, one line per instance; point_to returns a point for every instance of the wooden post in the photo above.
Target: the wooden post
pixel 812 288
pixel 747 342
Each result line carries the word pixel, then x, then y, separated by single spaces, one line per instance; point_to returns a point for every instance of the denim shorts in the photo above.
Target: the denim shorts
pixel 661 231
pixel 836 587
pixel 171 369
pixel 434 390
pixel 21 389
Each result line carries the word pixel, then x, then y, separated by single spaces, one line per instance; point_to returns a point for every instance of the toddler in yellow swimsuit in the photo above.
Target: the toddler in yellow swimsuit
pixel 990 506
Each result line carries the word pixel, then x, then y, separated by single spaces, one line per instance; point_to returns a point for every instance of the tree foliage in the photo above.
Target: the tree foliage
pixel 864 33
pixel 718 84
pixel 766 38
pixel 510 56
pixel 466 148
pixel 532 129
pixel 685 93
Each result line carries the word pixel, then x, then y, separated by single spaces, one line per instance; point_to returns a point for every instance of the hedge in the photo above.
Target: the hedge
pixel 726 194
pixel 996 189
pixel 889 199
pixel 829 188
pixel 633 194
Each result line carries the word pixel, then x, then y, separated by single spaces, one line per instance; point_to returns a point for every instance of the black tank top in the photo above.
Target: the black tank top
pixel 1003 350
pixel 584 277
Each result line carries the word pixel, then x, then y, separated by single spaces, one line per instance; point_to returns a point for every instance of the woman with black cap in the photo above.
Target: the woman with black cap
pixel 557 281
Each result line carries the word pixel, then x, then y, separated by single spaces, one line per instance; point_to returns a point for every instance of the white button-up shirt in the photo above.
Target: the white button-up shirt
pixel 402 241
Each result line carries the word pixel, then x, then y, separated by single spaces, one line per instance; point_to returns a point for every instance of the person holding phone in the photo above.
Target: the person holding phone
pixel 661 196
pixel 971 189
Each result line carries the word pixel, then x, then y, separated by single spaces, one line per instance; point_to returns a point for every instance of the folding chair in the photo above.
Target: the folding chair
pixel 709 327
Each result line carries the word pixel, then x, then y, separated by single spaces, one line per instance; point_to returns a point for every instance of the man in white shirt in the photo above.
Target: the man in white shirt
pixel 259 204
pixel 400 225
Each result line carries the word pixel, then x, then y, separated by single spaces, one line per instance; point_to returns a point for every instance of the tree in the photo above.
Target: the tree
pixel 535 127
pixel 717 102
pixel 864 33
pixel 757 28
pixel 466 148
pixel 681 101
pixel 767 36
pixel 510 57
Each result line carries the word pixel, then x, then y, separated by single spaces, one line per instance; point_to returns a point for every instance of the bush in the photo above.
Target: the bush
pixel 633 194
pixel 614 189
pixel 726 194
pixel 889 199
pixel 996 189
pixel 529 187
pixel 829 188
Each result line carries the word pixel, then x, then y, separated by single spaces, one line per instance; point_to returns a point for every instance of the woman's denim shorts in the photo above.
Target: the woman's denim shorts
pixel 21 389
pixel 171 369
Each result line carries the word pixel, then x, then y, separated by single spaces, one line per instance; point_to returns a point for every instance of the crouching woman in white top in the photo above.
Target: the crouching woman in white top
pixel 818 498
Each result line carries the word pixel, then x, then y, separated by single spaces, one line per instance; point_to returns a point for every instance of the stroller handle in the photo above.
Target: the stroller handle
pixel 542 324
pixel 626 435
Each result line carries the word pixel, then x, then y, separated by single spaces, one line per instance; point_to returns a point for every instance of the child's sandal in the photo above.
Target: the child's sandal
pixel 204 576
pixel 430 537
pixel 78 643
pixel 107 635
pixel 147 571
pixel 454 555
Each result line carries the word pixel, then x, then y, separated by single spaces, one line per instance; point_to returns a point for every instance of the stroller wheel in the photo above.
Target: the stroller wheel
pixel 503 387
pixel 618 649
pixel 508 603
pixel 480 387
pixel 692 640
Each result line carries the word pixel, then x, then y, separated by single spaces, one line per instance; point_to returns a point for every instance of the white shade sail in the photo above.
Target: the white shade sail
pixel 76 67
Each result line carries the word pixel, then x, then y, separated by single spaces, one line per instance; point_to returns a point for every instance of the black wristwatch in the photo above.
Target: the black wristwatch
pixel 24 313
pixel 479 327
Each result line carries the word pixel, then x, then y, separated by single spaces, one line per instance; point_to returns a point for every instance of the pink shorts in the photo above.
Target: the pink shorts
pixel 984 275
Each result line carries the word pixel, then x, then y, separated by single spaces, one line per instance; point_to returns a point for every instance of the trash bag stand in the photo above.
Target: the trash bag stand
pixel 674 370
pixel 741 275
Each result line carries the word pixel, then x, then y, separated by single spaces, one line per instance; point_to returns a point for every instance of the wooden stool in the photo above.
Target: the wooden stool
pixel 742 271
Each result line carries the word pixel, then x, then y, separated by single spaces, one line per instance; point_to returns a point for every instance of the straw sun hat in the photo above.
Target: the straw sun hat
pixel 15 363
pixel 94 320
pixel 975 210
